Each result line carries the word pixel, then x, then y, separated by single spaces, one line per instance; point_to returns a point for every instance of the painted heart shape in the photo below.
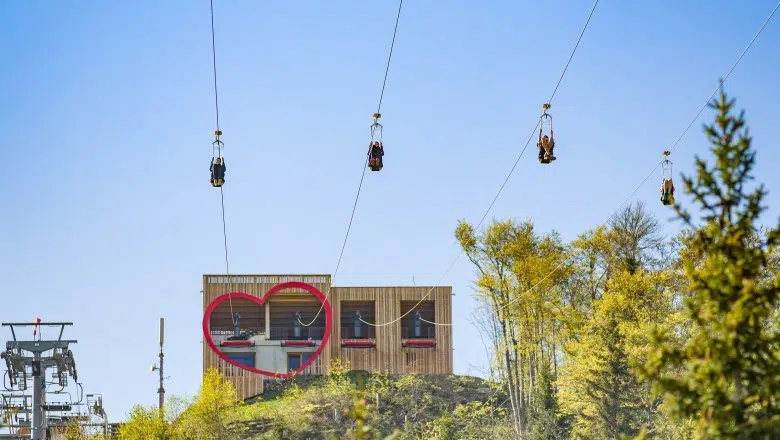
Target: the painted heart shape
pixel 276 289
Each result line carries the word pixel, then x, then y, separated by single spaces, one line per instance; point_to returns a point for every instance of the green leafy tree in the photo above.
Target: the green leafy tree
pixel 518 275
pixel 145 424
pixel 727 374
pixel 208 416
pixel 635 239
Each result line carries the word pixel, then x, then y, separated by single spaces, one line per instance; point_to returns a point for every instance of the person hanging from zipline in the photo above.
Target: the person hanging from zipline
pixel 375 148
pixel 546 144
pixel 375 153
pixel 667 186
pixel 217 167
pixel 667 192
pixel 217 170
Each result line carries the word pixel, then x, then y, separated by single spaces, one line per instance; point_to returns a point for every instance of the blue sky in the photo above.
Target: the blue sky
pixel 110 221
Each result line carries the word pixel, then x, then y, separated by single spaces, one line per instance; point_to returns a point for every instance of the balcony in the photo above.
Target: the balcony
pixel 417 330
pixel 361 337
pixel 288 317
pixel 426 332
pixel 364 332
pixel 226 337
pixel 251 323
pixel 354 332
pixel 288 333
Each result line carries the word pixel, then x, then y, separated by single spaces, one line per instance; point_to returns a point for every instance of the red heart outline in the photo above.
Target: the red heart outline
pixel 240 295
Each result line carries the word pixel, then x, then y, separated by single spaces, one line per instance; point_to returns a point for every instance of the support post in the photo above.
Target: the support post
pixel 267 320
pixel 37 415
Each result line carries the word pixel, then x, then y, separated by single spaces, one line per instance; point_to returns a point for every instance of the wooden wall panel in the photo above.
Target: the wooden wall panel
pixel 249 384
pixel 388 355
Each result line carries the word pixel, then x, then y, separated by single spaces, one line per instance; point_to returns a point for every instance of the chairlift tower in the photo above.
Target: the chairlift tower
pixel 19 355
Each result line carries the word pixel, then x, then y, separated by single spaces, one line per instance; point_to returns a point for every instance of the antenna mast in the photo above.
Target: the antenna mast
pixel 161 390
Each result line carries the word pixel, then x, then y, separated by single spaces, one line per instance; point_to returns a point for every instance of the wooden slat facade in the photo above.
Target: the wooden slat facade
pixel 388 355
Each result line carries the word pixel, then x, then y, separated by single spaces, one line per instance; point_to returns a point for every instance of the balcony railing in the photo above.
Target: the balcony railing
pixel 365 332
pixel 219 335
pixel 425 333
pixel 288 333
pixel 224 331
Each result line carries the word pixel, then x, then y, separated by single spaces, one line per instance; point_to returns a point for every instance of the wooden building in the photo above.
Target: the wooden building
pixel 279 335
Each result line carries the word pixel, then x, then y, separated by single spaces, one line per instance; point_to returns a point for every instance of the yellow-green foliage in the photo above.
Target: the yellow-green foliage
pixel 206 417
pixel 144 424
pixel 599 386
pixel 518 276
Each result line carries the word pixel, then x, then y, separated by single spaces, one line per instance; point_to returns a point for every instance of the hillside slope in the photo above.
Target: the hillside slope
pixel 415 406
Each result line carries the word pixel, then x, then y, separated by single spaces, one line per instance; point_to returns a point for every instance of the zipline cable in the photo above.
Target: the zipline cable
pixel 362 175
pixel 500 189
pixel 592 10
pixel 389 57
pixel 676 142
pixel 221 192
pixel 214 64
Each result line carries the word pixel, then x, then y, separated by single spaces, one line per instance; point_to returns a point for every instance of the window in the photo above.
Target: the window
pixel 247 359
pixel 416 324
pixel 290 319
pixel 353 313
pixel 295 360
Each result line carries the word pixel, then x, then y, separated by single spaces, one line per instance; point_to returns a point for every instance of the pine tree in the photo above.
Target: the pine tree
pixel 613 388
pixel 727 374
pixel 546 420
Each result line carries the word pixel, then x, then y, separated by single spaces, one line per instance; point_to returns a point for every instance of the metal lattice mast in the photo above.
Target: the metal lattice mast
pixel 38 361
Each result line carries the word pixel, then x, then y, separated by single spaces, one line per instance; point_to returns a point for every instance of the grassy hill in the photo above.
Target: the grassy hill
pixel 412 406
